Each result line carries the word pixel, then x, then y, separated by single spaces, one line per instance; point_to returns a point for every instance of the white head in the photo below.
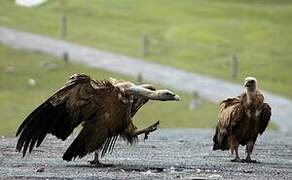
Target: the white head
pixel 161 95
pixel 250 83
pixel 164 95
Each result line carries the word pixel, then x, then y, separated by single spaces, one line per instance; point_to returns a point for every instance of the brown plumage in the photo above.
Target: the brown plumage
pixel 241 120
pixel 104 108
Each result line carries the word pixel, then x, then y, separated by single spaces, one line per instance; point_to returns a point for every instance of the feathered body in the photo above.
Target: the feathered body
pixel 104 108
pixel 241 120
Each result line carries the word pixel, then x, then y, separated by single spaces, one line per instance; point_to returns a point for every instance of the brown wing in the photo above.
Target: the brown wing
pixel 264 117
pixel 138 102
pixel 73 104
pixel 230 114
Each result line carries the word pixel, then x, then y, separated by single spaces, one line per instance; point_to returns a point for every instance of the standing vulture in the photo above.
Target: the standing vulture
pixel 241 120
pixel 104 108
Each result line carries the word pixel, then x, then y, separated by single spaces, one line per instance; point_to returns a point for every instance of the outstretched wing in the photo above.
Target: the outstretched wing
pixel 101 130
pixel 73 104
pixel 230 114
pixel 264 117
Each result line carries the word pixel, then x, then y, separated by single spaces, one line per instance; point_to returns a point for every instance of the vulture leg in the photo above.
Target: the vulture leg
pixel 147 130
pixel 95 161
pixel 234 147
pixel 236 159
pixel 249 148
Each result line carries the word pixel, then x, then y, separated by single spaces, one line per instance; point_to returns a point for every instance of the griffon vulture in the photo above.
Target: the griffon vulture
pixel 104 108
pixel 241 120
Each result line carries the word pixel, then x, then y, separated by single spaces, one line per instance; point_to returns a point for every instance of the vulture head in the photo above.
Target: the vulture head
pixel 150 93
pixel 164 95
pixel 250 83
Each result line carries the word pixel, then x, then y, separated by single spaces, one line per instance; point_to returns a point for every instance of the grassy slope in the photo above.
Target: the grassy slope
pixel 197 35
pixel 18 99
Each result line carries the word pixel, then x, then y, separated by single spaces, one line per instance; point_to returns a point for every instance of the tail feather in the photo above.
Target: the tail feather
pixel 76 149
pixel 220 140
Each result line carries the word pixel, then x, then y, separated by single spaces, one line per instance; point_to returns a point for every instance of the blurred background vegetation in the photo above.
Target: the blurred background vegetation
pixel 196 35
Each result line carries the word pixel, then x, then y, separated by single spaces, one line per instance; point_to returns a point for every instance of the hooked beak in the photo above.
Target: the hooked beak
pixel 246 84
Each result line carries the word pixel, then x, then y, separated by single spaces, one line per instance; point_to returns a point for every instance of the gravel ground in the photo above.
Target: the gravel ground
pixel 167 154
pixel 210 88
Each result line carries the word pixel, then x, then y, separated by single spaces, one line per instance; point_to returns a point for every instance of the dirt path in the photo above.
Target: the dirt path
pixel 180 154
pixel 210 88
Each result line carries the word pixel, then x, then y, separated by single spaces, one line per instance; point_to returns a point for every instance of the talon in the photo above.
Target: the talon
pixel 95 163
pixel 146 136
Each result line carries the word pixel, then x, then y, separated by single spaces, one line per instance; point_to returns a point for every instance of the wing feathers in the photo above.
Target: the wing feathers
pixel 109 145
pixel 46 119
pixel 81 100
pixel 265 117
pixel 61 113
pixel 229 115
pixel 77 148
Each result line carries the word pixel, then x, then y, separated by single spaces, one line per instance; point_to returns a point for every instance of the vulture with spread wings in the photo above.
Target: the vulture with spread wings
pixel 241 120
pixel 104 108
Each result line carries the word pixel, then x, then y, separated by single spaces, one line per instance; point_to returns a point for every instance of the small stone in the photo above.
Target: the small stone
pixel 247 171
pixel 41 169
pixel 148 172
pixel 31 82
pixel 215 176
pixel 181 140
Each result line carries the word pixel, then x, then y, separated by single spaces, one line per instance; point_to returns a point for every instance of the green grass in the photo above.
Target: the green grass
pixel 18 99
pixel 196 35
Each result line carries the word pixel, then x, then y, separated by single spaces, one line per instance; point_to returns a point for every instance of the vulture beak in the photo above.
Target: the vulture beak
pixel 161 94
pixel 176 97
pixel 250 81
pixel 246 84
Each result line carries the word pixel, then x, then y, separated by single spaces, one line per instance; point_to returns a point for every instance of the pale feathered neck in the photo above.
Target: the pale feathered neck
pixel 251 95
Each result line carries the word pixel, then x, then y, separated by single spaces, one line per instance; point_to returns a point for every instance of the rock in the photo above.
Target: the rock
pixel 31 82
pixel 215 176
pixel 41 169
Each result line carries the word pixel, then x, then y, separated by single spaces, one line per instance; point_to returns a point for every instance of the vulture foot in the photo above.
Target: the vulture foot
pixel 150 129
pixel 236 160
pixel 96 163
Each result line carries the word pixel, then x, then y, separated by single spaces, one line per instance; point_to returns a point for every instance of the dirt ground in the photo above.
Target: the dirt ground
pixel 167 154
